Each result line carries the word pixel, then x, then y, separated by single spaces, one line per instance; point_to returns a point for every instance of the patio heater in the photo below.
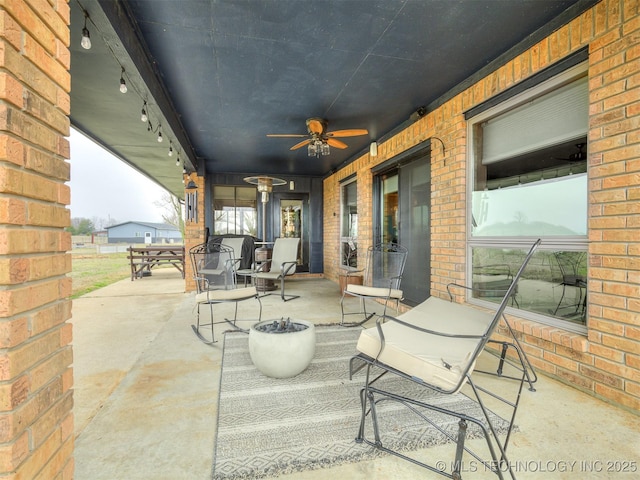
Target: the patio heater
pixel 265 187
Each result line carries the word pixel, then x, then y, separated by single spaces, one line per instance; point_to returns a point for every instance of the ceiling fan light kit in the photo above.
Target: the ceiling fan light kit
pixel 321 141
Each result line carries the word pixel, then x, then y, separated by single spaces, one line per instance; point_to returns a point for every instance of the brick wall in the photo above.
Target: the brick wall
pixel 36 424
pixel 606 363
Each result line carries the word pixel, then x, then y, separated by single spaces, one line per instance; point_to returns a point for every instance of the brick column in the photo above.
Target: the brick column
pixel 36 423
pixel 194 231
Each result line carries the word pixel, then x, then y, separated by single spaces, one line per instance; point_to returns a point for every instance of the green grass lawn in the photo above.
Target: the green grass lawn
pixel 91 270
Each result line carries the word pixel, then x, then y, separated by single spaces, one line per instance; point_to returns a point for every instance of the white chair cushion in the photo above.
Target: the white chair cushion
pixel 226 295
pixel 366 291
pixel 436 360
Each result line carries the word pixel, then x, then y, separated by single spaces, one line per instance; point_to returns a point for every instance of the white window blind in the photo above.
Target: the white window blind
pixel 557 117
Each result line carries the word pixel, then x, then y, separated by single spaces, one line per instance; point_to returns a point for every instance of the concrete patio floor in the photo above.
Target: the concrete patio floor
pixel 146 395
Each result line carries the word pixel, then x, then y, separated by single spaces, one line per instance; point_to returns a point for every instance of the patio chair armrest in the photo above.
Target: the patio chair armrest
pixel 288 269
pixel 384 318
pixel 231 263
pixel 262 266
pixel 394 280
pixel 201 278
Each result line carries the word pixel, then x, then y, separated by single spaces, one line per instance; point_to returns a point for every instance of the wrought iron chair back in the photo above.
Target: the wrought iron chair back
pixel 381 279
pixel 385 265
pixel 213 266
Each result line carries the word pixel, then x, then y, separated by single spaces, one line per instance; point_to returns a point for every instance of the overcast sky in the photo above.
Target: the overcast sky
pixel 104 187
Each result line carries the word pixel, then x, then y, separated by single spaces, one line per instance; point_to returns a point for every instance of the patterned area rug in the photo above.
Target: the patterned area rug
pixel 268 427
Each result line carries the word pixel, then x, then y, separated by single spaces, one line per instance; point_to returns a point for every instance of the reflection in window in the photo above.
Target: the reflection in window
pixel 291 218
pixel 389 208
pixel 234 210
pixel 349 225
pixel 556 206
pixel 553 284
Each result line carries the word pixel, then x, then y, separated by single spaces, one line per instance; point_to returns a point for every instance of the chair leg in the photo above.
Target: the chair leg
pixel 496 444
pixel 462 435
pixel 363 311
pixel 196 327
pixel 235 316
pixel 285 298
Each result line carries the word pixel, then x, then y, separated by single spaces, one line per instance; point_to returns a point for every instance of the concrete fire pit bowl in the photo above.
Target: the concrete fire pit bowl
pixel 282 353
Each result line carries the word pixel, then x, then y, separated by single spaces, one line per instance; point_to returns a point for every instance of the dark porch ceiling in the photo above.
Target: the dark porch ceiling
pixel 220 75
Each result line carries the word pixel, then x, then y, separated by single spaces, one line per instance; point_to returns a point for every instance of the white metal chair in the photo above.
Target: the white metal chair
pixel 381 280
pixel 284 260
pixel 214 273
pixel 436 345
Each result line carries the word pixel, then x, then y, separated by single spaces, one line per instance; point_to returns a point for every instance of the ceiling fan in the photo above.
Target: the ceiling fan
pixel 578 156
pixel 320 141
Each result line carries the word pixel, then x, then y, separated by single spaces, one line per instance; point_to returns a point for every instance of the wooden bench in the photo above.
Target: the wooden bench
pixel 143 259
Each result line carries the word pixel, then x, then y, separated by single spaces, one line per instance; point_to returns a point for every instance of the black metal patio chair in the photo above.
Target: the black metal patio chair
pixel 436 345
pixel 214 267
pixel 381 280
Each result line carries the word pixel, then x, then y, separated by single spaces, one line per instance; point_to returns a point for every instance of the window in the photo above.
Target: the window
pixel 234 210
pixel 529 170
pixel 349 225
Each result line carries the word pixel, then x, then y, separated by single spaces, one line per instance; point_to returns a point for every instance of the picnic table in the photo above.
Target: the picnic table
pixel 143 259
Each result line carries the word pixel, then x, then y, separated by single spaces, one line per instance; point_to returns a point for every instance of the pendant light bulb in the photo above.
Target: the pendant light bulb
pixel 86 36
pixel 86 39
pixel 123 84
pixel 178 162
pixel 143 113
pixel 160 136
pixel 170 150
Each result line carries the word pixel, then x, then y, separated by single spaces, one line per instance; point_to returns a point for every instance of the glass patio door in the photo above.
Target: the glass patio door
pixel 404 204
pixel 292 222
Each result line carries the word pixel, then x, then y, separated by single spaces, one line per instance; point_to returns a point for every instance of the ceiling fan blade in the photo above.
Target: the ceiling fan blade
pixel 285 135
pixel 353 132
pixel 301 144
pixel 336 143
pixel 316 125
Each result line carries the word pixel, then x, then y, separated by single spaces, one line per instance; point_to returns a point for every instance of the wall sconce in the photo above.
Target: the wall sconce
pixel 373 149
pixel 292 185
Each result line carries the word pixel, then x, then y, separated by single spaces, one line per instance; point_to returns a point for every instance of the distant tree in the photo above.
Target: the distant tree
pixel 172 211
pixel 100 223
pixel 81 226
